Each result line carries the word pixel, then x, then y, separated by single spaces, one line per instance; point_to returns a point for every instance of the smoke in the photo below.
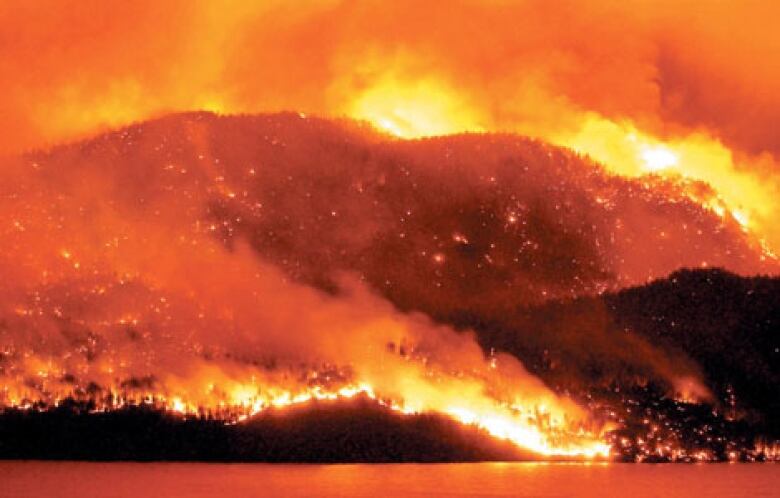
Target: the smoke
pixel 128 271
pixel 667 66
pixel 612 80
pixel 170 231
pixel 213 258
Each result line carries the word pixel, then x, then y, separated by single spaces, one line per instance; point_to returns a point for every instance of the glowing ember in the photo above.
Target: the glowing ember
pixel 203 291
pixel 464 169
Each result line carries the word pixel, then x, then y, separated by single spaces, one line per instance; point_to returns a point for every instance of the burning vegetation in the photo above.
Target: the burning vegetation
pixel 472 224
pixel 212 267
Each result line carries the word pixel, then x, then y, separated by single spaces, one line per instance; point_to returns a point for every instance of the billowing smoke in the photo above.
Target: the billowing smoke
pixel 626 82
pixel 244 261
pixel 248 261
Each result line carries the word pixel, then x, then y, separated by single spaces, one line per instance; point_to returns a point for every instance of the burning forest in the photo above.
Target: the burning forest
pixel 393 255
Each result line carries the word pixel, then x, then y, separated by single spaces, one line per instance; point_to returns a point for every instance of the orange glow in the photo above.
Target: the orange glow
pixel 622 149
pixel 626 151
pixel 418 109
pixel 437 370
pixel 473 72
pixel 658 158
pixel 657 92
pixel 503 424
pixel 539 430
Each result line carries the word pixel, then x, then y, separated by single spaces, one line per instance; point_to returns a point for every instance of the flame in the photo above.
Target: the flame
pixel 246 401
pixel 658 158
pixel 423 108
pixel 540 429
pixel 474 71
pixel 419 109
pixel 737 196
pixel 99 346
pixel 675 97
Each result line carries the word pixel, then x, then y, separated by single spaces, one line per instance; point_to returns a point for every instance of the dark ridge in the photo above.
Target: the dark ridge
pixel 729 325
pixel 631 352
pixel 357 430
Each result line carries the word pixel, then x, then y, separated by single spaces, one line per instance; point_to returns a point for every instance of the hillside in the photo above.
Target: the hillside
pixel 220 260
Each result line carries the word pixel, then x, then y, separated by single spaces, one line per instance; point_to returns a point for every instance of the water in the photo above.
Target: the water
pixel 187 480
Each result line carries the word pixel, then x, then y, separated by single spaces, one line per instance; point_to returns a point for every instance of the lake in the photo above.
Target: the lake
pixel 33 479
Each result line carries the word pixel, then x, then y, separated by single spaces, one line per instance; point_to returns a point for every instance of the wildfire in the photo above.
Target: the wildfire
pixel 117 341
pixel 658 158
pixel 192 284
pixel 411 110
pixel 532 432
pixel 499 423
pixel 417 109
pixel 626 151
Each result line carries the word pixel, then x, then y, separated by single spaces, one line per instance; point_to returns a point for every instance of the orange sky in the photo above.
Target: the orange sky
pixel 68 69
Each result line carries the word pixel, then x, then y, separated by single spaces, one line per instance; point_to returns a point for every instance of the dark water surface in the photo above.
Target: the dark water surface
pixel 21 479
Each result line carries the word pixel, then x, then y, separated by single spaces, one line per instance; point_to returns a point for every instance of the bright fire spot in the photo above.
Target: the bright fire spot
pixel 504 427
pixel 429 107
pixel 213 104
pixel 658 158
pixel 426 108
pixel 741 217
pixel 627 151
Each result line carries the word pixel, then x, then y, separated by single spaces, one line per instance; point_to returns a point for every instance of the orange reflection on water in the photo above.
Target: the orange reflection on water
pixel 539 480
